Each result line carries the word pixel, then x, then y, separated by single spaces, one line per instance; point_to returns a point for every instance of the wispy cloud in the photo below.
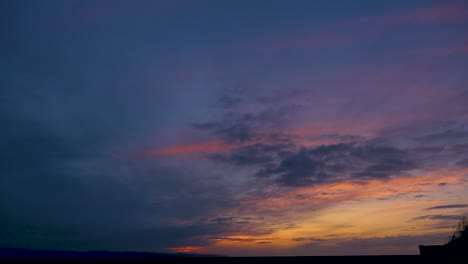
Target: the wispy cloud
pixel 183 149
pixel 448 206
pixel 438 217
pixel 325 195
pixel 442 13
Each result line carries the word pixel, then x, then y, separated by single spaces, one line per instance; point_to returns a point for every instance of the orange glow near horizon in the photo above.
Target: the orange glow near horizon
pixel 337 212
pixel 187 249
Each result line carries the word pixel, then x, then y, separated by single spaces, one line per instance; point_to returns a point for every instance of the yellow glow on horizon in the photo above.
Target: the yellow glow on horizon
pixel 379 208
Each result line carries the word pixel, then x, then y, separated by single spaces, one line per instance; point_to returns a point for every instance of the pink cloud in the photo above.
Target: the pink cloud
pixel 451 12
pixel 442 13
pixel 182 149
pixel 338 34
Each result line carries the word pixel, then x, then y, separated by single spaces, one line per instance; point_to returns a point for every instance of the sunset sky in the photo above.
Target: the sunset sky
pixel 240 128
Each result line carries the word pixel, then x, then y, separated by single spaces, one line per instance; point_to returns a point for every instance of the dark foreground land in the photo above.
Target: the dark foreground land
pixel 22 255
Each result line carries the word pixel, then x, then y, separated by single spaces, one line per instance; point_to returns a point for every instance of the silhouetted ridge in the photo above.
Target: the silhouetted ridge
pixel 56 254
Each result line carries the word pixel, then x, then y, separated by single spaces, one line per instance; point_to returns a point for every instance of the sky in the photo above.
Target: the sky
pixel 240 128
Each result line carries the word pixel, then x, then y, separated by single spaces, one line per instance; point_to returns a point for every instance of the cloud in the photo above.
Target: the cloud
pixel 443 13
pixel 452 136
pixel 462 163
pixel 335 35
pixel 236 132
pixel 308 239
pixel 339 162
pixel 231 129
pixel 459 149
pixel 438 217
pixel 299 169
pixel 447 206
pixel 386 168
pixel 252 226
pixel 234 239
pixel 238 127
pixel 60 192
pixel 252 154
pixel 227 102
pixel 182 149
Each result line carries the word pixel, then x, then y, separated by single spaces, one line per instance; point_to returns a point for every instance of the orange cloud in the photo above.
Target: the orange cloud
pixel 209 146
pixel 187 249
pixel 323 195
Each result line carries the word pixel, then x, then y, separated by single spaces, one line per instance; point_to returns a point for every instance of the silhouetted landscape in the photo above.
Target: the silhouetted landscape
pixel 49 255
pixel 457 246
pixel 22 253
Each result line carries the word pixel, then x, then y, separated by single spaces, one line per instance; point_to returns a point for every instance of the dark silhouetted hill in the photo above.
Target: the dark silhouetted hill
pixel 23 253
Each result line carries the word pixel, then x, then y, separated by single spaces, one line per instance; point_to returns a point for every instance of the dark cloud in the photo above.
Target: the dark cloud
pixel 433 145
pixel 447 206
pixel 29 142
pixel 300 169
pixel 246 240
pixel 428 150
pixel 61 192
pixel 462 163
pixel 252 154
pixel 231 129
pixel 302 197
pixel 237 132
pixel 460 149
pixel 313 239
pixel 386 168
pixel 330 152
pixel 234 239
pixel 449 135
pixel 331 163
pixel 339 137
pixel 228 101
pixel 277 115
pixel 253 226
pixel 237 127
pixel 438 217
